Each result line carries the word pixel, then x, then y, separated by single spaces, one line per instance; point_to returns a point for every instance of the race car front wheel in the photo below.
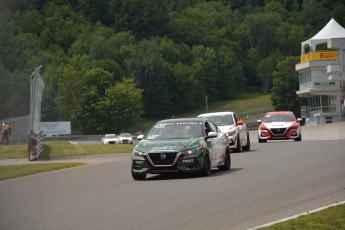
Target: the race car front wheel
pixel 247 147
pixel 227 161
pixel 206 169
pixel 238 145
pixel 137 176
pixel 262 140
pixel 299 138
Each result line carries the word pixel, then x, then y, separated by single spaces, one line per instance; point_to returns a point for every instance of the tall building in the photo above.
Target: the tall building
pixel 322 75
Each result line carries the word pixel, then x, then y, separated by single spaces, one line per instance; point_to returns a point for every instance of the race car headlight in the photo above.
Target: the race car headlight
pixel 138 153
pixel 190 152
pixel 263 127
pixel 294 126
pixel 231 133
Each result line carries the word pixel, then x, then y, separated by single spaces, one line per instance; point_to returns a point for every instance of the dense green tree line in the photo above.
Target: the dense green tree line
pixel 108 62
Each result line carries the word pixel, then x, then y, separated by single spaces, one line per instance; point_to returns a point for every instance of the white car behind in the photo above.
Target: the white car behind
pixel 125 138
pixel 235 128
pixel 110 139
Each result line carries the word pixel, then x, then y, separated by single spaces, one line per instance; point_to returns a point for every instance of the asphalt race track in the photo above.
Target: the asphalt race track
pixel 272 181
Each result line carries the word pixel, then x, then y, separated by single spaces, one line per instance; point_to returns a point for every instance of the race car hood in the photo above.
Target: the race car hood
pixel 168 145
pixel 277 125
pixel 226 128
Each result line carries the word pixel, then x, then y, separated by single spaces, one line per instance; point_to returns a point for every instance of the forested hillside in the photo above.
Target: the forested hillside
pixel 108 62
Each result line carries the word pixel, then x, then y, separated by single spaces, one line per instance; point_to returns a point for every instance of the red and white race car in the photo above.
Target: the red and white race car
pixel 279 125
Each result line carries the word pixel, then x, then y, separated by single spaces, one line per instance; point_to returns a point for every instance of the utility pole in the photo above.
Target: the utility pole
pixel 206 103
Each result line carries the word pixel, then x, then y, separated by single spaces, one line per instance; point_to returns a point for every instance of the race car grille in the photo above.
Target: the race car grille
pixel 278 131
pixel 163 158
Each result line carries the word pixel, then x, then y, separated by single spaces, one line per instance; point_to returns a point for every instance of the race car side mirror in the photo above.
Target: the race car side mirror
pixel 212 135
pixel 240 122
pixel 299 119
pixel 258 121
pixel 140 137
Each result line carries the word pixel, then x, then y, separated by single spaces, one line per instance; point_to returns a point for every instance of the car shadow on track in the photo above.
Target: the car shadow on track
pixel 252 150
pixel 178 176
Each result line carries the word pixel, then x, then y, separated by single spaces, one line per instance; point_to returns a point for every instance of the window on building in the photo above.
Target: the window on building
pixel 307 49
pixel 322 103
pixel 321 47
pixel 304 77
pixel 328 103
pixel 314 103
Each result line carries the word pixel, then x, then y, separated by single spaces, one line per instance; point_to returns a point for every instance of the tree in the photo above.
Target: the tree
pixel 70 90
pixel 205 70
pixel 230 78
pixel 285 85
pixel 289 38
pixel 143 18
pixel 187 91
pixel 207 23
pixel 265 70
pixel 61 25
pixel 120 107
pixel 249 68
pixel 93 87
pixel 261 31
pixel 14 93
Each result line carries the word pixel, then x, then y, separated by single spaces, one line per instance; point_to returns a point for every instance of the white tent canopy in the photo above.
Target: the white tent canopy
pixel 331 30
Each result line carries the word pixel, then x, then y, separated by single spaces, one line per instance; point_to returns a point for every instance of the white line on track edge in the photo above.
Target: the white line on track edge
pixel 298 215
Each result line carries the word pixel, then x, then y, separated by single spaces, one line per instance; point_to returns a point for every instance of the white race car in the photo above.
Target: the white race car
pixel 125 138
pixel 235 129
pixel 110 139
pixel 280 125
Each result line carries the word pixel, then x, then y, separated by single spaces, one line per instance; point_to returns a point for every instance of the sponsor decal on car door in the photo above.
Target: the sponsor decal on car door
pixel 217 146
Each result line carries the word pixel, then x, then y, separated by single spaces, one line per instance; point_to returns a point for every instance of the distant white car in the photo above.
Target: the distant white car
pixel 125 138
pixel 235 129
pixel 110 139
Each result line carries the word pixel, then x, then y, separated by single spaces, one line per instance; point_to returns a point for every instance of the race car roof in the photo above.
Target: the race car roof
pixel 215 114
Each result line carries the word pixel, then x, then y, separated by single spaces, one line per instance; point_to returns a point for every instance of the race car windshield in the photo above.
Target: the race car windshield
pixel 173 130
pixel 221 120
pixel 279 118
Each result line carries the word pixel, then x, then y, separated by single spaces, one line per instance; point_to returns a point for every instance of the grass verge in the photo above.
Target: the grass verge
pixel 14 171
pixel 62 148
pixel 244 103
pixel 332 218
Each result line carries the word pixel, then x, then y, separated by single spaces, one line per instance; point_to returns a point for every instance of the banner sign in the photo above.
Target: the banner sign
pixel 327 55
pixel 56 128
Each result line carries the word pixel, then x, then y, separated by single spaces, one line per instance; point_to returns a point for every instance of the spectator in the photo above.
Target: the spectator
pixel 5 132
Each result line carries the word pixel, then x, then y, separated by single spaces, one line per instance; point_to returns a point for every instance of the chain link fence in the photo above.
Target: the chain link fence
pixel 27 129
pixel 19 129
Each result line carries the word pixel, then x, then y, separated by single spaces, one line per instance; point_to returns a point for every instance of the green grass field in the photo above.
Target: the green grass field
pixel 51 149
pixel 332 218
pixel 62 148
